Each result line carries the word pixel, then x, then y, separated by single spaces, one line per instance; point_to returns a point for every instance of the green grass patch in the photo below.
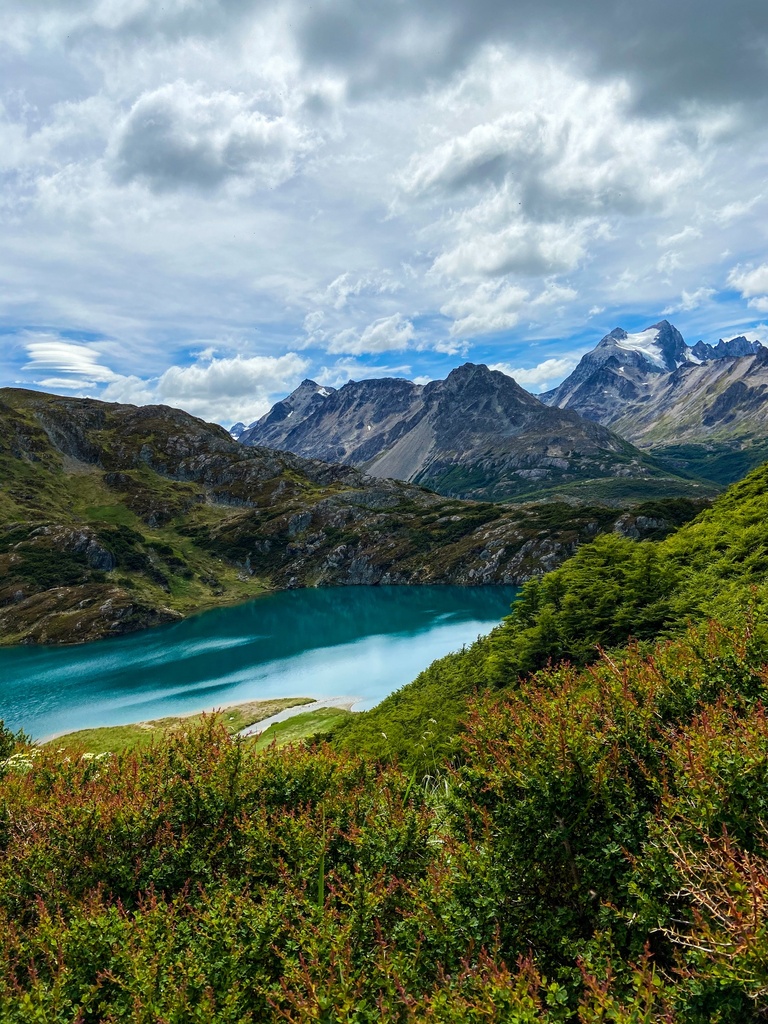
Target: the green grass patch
pixel 300 728
pixel 117 738
pixel 115 515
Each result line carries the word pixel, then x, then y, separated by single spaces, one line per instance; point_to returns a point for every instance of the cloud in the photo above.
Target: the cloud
pixel 348 285
pixel 671 54
pixel 222 389
pixel 542 377
pixel 176 136
pixel 50 352
pixel 228 390
pixel 690 300
pixel 389 334
pixel 344 370
pixel 490 307
pixel 753 285
pixel 359 178
pixel 750 282
pixel 526 249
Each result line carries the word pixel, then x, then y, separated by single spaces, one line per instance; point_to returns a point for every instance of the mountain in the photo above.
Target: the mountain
pixel 477 434
pixel 618 370
pixel 725 349
pixel 700 409
pixel 283 416
pixel 114 518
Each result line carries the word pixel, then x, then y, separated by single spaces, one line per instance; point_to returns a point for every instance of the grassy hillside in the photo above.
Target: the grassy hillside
pixel 114 518
pixel 610 591
pixel 600 856
pixel 722 460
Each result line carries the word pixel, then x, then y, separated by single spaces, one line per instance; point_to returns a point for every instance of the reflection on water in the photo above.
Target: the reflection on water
pixel 360 641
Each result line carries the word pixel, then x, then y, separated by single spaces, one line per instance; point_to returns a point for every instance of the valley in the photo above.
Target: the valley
pixel 586 774
pixel 115 518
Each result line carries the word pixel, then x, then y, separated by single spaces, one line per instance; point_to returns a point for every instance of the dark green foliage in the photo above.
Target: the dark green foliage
pixel 10 740
pixel 611 591
pixel 13 535
pixel 45 567
pixel 722 462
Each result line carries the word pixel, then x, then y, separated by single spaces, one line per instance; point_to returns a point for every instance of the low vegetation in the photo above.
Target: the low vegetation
pixel 599 855
pixel 309 726
pixel 611 591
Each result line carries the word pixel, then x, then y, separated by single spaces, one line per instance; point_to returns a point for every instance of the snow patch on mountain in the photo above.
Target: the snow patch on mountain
pixel 645 344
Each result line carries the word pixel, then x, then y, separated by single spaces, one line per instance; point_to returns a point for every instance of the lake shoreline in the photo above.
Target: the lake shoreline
pixel 169 617
pixel 344 703
pixel 320 642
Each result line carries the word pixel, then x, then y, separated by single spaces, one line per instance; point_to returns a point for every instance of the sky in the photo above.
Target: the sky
pixel 203 202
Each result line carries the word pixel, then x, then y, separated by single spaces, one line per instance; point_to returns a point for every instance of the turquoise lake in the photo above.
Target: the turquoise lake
pixel 361 642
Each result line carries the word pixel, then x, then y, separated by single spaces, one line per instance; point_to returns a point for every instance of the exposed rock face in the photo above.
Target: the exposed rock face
pixel 618 370
pixel 723 397
pixel 282 417
pixel 476 434
pixel 620 381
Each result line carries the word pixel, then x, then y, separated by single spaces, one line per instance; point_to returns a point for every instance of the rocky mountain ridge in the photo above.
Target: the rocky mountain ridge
pixel 700 409
pixel 477 434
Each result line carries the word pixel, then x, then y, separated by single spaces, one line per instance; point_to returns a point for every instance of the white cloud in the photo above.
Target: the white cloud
pixel 527 249
pixel 753 285
pixel 221 389
pixel 690 300
pixel 389 334
pixel 50 352
pixel 492 306
pixel 177 136
pixel 347 285
pixel 555 295
pixel 542 377
pixel 344 370
pixel 231 389
pixel 736 209
pixel 686 234
pixel 750 282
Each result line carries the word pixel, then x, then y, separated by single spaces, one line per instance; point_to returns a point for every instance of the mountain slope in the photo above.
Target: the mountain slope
pixel 701 410
pixel 618 370
pixel 476 434
pixel 114 517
